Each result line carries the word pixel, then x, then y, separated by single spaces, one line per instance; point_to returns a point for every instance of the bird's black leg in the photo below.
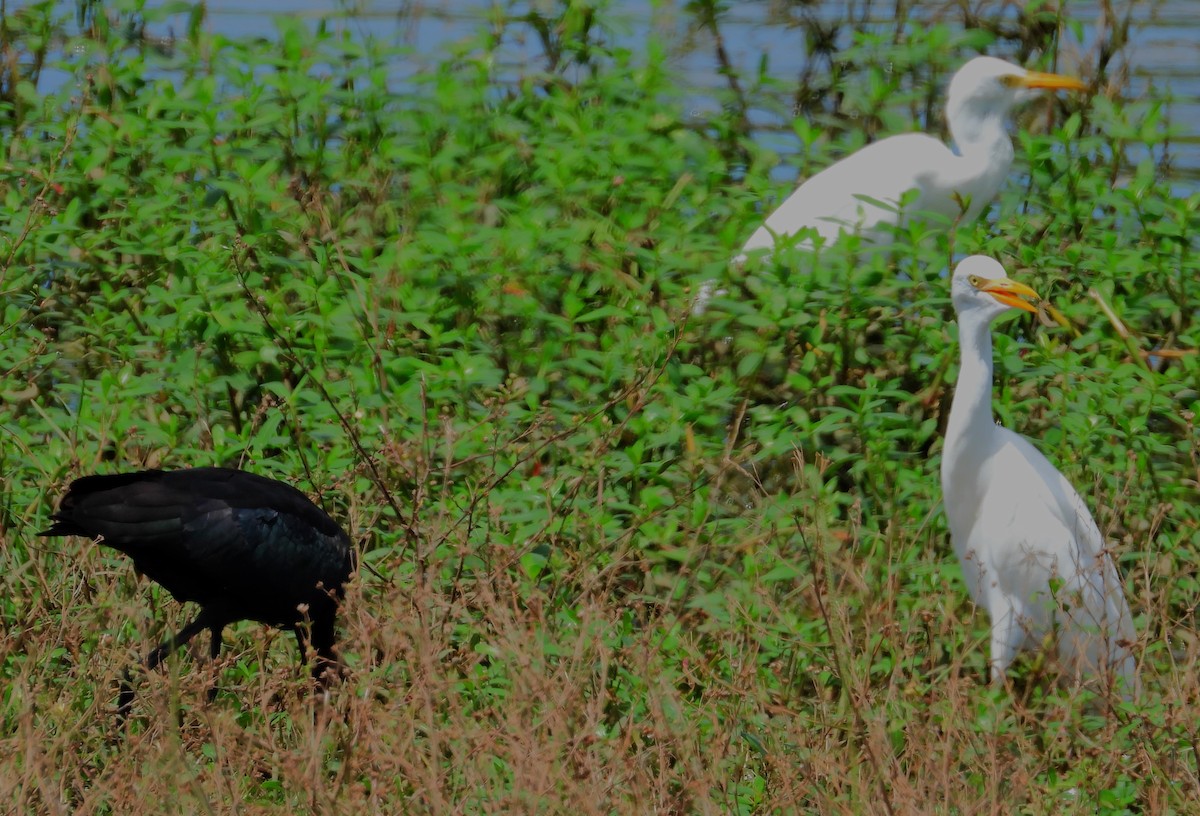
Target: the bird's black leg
pixel 214 651
pixel 327 665
pixel 299 633
pixel 125 698
pixel 183 638
pixel 326 661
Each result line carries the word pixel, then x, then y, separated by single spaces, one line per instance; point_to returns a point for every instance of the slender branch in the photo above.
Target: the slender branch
pixel 819 577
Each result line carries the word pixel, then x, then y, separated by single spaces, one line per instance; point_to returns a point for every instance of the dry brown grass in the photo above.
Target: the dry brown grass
pixel 489 696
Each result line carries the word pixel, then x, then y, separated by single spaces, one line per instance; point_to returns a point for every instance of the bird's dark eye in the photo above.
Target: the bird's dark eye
pixel 974 280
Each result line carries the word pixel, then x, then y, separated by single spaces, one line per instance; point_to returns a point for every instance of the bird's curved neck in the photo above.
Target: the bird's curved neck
pixel 971 422
pixel 975 125
pixel 981 137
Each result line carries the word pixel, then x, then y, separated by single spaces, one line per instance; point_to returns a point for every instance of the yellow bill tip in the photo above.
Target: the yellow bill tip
pixel 1010 293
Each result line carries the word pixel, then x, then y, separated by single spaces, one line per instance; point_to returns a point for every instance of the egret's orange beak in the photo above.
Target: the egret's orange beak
pixel 1056 82
pixel 1009 292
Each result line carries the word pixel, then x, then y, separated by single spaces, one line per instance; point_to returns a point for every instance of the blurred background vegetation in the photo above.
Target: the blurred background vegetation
pixel 612 553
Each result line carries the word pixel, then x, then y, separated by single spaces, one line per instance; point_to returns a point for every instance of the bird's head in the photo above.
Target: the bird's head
pixel 980 286
pixel 987 87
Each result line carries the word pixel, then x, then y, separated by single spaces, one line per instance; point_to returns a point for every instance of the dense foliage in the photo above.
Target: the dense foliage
pixel 615 557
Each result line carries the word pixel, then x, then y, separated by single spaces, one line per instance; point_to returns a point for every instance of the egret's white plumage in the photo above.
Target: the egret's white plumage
pixel 871 190
pixel 1031 554
pixel 848 195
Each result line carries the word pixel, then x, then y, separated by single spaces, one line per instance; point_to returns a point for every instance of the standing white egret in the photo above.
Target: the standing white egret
pixel 866 191
pixel 1031 554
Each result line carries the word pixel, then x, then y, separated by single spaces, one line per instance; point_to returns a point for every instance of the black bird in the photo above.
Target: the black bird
pixel 243 547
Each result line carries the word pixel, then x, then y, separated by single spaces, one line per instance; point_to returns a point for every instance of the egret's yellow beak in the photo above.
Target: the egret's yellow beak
pixel 1036 79
pixel 1009 292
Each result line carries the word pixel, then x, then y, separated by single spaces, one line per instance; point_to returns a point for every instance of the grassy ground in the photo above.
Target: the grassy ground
pixel 615 558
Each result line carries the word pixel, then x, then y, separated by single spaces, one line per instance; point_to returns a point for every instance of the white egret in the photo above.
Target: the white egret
pixel 864 191
pixel 871 190
pixel 1031 554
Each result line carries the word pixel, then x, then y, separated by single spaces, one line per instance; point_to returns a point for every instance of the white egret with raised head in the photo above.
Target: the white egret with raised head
pixel 1030 551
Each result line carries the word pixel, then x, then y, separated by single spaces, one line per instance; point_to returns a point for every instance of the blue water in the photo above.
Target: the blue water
pixel 1163 57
